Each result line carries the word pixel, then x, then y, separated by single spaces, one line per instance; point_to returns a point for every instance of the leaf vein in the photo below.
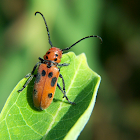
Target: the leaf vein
pixel 73 79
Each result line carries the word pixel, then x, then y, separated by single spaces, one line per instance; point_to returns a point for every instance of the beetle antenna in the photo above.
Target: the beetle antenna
pixel 46 28
pixel 81 40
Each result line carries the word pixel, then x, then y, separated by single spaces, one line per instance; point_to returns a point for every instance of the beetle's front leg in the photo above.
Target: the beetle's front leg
pixel 64 64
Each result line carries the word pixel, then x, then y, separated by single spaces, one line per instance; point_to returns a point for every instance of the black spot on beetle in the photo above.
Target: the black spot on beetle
pixel 55 59
pixel 38 76
pixel 48 52
pixel 53 81
pixel 43 72
pixel 50 95
pixel 46 57
pixel 50 74
pixel 34 91
pixel 56 54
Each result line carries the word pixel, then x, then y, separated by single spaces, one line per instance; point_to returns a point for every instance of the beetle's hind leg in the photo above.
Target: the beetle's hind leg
pixel 63 90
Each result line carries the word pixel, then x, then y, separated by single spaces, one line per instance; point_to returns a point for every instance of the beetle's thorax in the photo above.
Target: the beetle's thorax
pixel 53 54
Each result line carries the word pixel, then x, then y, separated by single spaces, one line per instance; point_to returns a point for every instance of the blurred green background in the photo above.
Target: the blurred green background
pixel 23 39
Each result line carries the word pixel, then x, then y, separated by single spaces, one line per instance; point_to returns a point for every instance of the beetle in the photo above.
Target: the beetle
pixel 48 73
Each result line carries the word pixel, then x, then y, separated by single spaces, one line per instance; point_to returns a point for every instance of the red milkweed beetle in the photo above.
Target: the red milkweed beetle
pixel 48 73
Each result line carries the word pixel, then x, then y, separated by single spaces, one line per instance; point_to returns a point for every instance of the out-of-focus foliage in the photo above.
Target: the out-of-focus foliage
pixel 23 39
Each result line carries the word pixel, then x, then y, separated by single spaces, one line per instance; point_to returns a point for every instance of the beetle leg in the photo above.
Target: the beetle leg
pixel 30 75
pixel 42 60
pixel 63 90
pixel 64 64
pixel 28 81
pixel 35 68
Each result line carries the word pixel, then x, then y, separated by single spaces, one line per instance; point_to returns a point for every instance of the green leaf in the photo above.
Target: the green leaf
pixel 61 120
